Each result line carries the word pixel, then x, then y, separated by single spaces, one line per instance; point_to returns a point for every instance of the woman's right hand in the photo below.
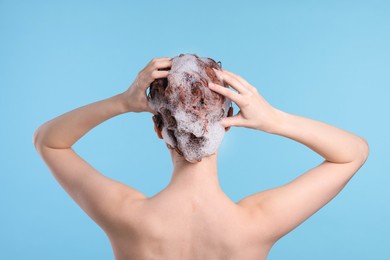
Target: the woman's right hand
pixel 255 112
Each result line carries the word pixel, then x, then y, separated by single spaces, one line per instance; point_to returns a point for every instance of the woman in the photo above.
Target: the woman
pixel 192 218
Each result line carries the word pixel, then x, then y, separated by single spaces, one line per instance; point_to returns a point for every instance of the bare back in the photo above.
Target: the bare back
pixel 172 226
pixel 193 218
pixel 178 225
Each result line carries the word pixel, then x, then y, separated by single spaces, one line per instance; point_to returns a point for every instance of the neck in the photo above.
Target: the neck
pixel 200 178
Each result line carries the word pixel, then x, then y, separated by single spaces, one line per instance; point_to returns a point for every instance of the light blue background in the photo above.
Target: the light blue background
pixel 327 60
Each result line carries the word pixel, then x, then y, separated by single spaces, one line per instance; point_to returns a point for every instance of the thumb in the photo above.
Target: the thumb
pixel 150 109
pixel 231 121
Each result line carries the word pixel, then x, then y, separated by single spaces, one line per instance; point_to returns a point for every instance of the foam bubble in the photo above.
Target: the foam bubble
pixel 189 109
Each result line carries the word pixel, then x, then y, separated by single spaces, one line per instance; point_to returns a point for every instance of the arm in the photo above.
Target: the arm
pixel 65 130
pixel 286 207
pixel 99 196
pixel 282 209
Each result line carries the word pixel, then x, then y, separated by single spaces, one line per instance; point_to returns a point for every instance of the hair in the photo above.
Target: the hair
pixel 188 112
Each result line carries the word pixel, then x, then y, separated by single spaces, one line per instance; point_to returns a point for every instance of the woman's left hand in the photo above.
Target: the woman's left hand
pixel 135 97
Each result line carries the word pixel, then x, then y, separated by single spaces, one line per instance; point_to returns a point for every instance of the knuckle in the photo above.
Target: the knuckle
pixel 244 102
pixel 249 94
pixel 252 89
pixel 154 63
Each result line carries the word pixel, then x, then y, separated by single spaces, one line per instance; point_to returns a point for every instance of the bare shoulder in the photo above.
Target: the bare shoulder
pixel 129 219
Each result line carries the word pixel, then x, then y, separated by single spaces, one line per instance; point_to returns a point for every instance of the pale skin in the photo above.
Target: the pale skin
pixel 192 218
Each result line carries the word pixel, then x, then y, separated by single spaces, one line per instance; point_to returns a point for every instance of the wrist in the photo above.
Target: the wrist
pixel 279 121
pixel 122 101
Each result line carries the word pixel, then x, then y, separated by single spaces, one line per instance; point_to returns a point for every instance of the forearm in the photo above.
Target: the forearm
pixel 64 130
pixel 332 143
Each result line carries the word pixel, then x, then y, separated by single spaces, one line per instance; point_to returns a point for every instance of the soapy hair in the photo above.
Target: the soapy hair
pixel 188 112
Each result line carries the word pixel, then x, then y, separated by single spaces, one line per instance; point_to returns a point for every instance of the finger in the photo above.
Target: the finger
pixel 233 82
pixel 160 59
pixel 239 78
pixel 157 74
pixel 154 61
pixel 163 64
pixel 235 97
pixel 159 65
pixel 231 121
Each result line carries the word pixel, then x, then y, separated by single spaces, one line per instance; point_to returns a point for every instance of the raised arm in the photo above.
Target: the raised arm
pixel 281 209
pixel 99 196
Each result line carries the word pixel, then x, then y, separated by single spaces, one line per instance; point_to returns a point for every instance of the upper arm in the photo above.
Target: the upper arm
pixel 283 208
pixel 99 196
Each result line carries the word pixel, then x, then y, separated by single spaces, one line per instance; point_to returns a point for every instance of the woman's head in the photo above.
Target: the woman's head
pixel 188 112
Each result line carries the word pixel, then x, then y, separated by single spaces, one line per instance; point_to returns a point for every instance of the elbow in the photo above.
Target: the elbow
pixel 364 150
pixel 36 138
